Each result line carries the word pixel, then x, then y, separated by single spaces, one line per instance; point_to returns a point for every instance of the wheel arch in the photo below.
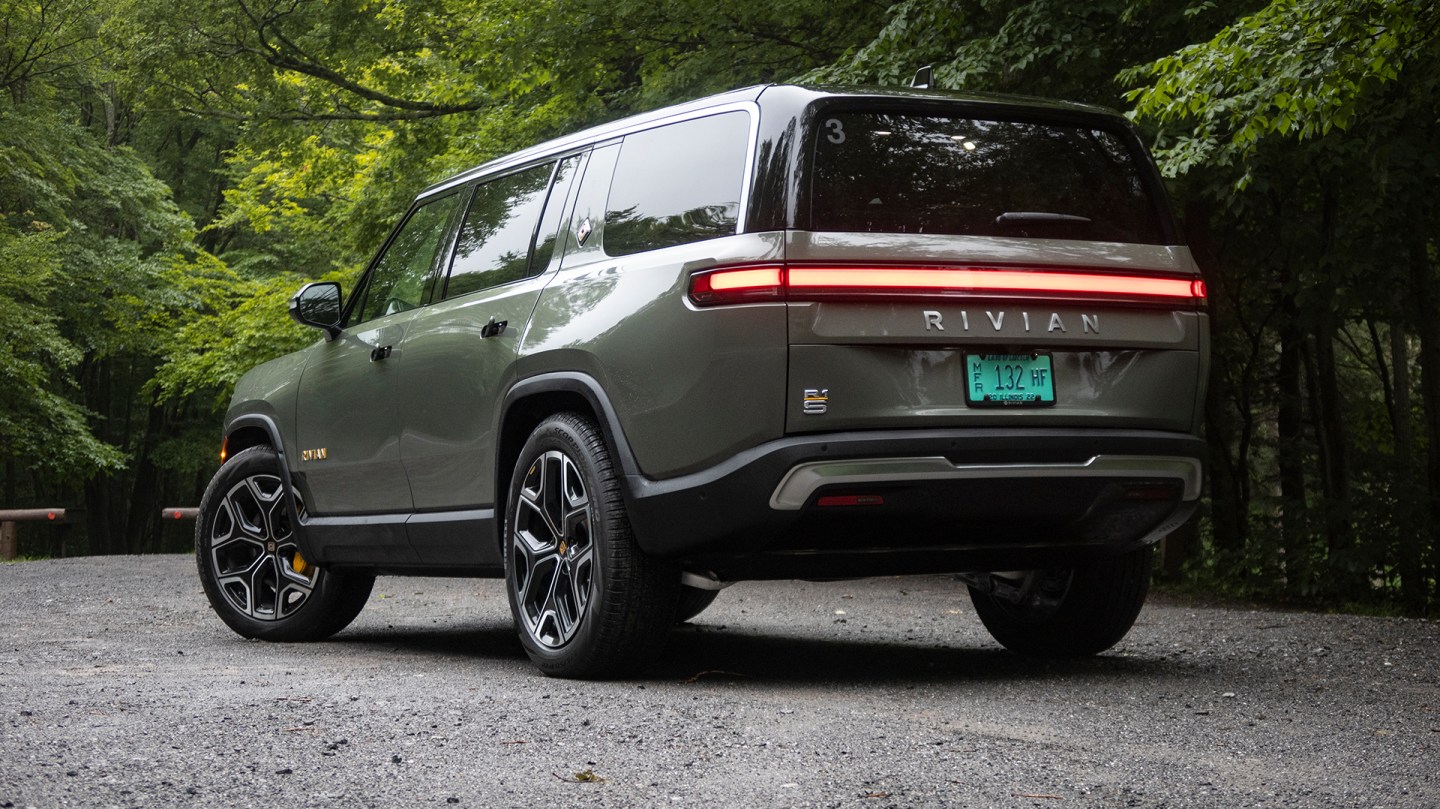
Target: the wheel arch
pixel 256 430
pixel 532 400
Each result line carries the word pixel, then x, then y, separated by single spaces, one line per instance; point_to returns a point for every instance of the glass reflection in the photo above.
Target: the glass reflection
pixel 891 173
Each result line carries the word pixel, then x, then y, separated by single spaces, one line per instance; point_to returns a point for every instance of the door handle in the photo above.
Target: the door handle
pixel 379 353
pixel 493 329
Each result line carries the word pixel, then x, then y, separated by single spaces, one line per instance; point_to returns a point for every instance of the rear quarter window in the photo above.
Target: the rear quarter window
pixel 677 184
pixel 911 173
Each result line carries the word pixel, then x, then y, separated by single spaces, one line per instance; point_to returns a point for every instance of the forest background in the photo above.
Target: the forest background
pixel 171 172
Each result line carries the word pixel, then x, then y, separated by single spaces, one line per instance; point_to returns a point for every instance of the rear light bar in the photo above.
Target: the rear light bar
pixel 753 283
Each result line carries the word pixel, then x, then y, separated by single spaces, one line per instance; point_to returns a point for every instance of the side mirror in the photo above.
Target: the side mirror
pixel 318 305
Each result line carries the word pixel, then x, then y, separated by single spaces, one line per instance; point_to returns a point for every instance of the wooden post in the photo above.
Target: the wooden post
pixel 10 531
pixel 9 540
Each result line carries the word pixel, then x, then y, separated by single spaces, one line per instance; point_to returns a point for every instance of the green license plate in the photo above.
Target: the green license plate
pixel 1009 380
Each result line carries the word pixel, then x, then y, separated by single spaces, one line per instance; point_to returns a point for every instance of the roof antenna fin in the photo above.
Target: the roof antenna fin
pixel 924 78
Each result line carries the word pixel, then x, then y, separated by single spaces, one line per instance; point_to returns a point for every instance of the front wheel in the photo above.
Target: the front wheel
pixel 586 601
pixel 1064 612
pixel 251 567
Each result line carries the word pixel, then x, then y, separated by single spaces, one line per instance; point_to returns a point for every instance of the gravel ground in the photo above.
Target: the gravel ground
pixel 119 687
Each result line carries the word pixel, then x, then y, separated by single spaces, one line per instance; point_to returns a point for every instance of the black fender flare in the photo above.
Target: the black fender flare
pixel 267 425
pixel 575 383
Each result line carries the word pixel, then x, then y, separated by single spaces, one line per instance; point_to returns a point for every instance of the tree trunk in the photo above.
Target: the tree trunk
pixel 1290 425
pixel 1424 284
pixel 1330 439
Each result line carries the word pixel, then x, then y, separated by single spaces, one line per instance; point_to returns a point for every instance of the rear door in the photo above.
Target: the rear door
pixel 460 356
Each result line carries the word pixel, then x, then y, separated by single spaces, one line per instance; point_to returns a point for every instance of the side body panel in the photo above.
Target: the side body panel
pixel 691 387
pixel 448 387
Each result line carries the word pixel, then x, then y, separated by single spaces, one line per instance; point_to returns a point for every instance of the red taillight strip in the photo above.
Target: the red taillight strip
pixel 742 279
pixel 804 282
pixel 747 284
pixel 900 279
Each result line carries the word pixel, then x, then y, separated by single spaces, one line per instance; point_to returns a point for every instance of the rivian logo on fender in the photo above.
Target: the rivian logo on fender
pixel 1022 320
pixel 313 454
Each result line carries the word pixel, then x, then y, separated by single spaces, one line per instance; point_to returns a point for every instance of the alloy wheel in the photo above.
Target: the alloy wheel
pixel 553 556
pixel 256 562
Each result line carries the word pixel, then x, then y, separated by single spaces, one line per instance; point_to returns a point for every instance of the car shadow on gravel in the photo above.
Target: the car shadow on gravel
pixel 709 655
pixel 696 654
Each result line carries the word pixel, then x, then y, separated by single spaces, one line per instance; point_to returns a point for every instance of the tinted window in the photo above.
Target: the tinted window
pixel 399 279
pixel 890 173
pixel 677 184
pixel 499 230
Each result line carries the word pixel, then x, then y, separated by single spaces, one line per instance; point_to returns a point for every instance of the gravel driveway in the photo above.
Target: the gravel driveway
pixel 119 687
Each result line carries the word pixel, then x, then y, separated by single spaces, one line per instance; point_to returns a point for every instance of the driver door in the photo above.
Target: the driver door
pixel 347 425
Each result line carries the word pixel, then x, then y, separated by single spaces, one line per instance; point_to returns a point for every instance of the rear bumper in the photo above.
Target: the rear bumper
pixel 921 502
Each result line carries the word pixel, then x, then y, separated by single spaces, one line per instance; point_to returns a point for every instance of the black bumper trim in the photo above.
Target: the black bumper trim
pixel 722 518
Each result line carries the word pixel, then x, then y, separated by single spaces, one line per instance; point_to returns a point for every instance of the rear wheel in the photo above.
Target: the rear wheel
pixel 586 601
pixel 693 601
pixel 251 567
pixel 1064 612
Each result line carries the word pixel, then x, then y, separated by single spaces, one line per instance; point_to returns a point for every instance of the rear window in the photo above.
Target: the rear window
pixel 905 173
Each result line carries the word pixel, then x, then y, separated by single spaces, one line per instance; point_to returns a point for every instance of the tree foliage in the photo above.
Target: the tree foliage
pixel 169 173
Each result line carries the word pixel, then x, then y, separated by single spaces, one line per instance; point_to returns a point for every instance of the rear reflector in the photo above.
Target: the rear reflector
pixel 851 500
pixel 812 282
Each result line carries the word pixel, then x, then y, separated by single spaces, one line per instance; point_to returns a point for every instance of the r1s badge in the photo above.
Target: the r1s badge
pixel 817 401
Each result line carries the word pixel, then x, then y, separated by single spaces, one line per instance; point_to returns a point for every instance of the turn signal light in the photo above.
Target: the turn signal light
pixel 752 283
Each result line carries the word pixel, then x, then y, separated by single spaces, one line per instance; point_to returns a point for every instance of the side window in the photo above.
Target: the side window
pixel 677 184
pixel 500 228
pixel 549 232
pixel 397 282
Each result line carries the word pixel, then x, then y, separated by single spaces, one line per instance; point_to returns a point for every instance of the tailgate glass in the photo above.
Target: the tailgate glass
pixel 904 173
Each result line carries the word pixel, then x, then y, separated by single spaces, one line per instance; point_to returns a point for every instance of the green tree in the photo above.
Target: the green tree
pixel 1308 126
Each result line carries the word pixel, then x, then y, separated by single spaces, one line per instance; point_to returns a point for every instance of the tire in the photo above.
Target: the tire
pixel 586 602
pixel 252 570
pixel 693 601
pixel 1066 612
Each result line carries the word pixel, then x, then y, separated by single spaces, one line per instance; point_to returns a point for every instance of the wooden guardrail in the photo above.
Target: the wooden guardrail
pixel 10 529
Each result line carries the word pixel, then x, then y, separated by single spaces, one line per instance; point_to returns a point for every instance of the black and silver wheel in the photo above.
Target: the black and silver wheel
pixel 586 601
pixel 257 580
pixel 1064 612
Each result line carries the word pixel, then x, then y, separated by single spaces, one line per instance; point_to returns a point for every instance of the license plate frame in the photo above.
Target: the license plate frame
pixel 1010 380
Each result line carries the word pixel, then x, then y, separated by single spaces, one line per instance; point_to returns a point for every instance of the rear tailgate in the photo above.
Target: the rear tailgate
pixel 1090 344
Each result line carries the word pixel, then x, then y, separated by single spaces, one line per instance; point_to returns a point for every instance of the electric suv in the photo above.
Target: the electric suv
pixel 784 332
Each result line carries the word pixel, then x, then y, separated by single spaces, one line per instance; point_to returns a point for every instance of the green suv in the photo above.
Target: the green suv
pixel 783 332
